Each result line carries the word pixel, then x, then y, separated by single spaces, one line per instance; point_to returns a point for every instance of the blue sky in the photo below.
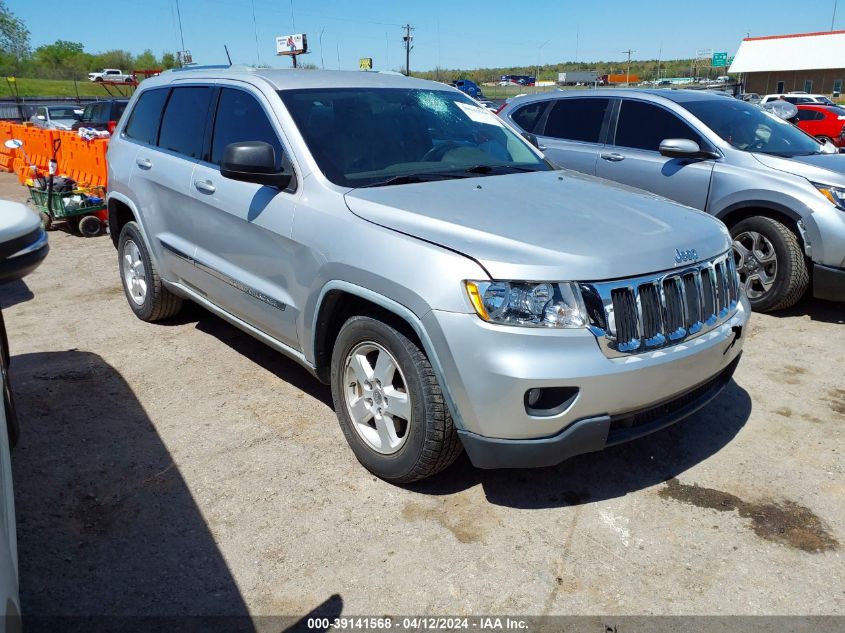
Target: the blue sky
pixel 449 33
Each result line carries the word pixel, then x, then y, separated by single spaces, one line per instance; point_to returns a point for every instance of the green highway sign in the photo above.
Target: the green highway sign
pixel 720 60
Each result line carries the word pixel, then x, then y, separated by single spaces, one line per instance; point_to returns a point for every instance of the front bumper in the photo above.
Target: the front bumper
pixel 488 369
pixel 828 283
pixel 592 434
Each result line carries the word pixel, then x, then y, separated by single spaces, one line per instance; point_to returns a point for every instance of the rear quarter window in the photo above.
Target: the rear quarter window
pixel 145 116
pixel 528 116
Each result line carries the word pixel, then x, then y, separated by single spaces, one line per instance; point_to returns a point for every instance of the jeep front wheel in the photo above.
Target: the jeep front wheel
pixel 389 403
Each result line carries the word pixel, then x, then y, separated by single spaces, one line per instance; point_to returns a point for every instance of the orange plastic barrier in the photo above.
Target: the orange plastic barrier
pixel 84 161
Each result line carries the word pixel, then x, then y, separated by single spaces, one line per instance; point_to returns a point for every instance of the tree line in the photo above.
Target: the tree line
pixel 63 59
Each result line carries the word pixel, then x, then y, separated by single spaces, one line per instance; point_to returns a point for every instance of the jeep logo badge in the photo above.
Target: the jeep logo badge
pixel 685 256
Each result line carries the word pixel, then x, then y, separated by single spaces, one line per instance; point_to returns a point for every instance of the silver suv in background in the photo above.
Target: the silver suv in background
pixel 778 190
pixel 376 229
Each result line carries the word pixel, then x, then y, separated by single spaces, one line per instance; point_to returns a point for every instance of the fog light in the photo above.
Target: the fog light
pixel 548 401
pixel 534 396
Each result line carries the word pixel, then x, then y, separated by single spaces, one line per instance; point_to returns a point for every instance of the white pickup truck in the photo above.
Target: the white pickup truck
pixel 110 74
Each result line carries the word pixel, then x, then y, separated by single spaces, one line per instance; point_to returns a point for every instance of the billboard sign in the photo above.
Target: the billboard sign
pixel 292 44
pixel 704 53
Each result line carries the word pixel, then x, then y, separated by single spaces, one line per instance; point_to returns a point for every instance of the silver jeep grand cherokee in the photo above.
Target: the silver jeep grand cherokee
pixel 410 249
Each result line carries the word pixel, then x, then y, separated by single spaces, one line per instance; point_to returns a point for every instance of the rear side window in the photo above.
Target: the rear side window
pixel 183 123
pixel 143 121
pixel 528 116
pixel 577 119
pixel 645 126
pixel 809 115
pixel 241 118
pixel 117 111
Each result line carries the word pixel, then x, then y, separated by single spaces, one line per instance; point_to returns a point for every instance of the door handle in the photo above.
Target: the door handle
pixel 206 186
pixel 143 163
pixel 613 157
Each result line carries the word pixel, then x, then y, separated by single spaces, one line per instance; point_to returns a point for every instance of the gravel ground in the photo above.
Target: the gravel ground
pixel 185 468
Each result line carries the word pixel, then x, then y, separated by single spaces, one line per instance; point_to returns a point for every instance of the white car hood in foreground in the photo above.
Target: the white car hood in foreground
pixel 555 226
pixel 16 220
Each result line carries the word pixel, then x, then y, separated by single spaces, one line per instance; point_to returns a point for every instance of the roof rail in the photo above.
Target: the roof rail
pixel 212 67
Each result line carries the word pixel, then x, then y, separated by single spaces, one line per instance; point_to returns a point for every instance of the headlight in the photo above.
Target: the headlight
pixel 835 194
pixel 528 304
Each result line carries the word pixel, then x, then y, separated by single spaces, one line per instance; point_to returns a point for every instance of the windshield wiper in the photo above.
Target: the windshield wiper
pixel 487 169
pixel 407 179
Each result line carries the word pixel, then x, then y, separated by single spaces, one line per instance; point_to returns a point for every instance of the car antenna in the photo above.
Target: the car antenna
pixel 229 57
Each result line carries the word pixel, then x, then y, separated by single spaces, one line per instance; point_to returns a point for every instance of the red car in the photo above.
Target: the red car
pixel 825 122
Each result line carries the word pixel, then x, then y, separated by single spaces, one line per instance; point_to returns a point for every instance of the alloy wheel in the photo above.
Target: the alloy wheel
pixel 377 398
pixel 134 273
pixel 756 263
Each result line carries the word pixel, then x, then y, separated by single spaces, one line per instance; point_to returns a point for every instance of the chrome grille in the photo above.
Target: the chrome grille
pixel 632 316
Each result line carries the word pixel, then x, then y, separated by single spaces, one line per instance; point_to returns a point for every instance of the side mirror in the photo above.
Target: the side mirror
pixel 532 138
pixel 253 161
pixel 683 148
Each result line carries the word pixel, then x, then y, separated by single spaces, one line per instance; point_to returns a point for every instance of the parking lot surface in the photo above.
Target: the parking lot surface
pixel 183 467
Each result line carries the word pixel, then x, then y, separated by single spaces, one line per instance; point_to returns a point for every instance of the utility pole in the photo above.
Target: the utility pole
pixel 407 39
pixel 833 21
pixel 537 74
pixel 659 59
pixel 628 73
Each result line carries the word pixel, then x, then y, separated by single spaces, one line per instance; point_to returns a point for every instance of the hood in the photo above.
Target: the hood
pixel 16 220
pixel 556 226
pixel 828 169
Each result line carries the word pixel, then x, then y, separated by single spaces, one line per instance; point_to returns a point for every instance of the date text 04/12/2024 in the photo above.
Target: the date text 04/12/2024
pixel 423 623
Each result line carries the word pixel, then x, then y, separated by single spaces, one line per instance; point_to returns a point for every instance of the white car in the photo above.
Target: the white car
pixel 797 98
pixel 55 117
pixel 110 74
pixel 23 245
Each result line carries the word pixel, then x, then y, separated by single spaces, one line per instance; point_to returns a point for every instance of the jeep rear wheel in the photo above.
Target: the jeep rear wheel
pixel 147 296
pixel 770 263
pixel 389 404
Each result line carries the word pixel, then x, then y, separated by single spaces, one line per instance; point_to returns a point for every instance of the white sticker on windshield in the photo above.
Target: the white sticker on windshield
pixel 478 114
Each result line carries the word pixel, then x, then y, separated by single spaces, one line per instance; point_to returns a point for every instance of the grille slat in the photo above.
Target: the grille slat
pixel 708 294
pixel 721 286
pixel 625 312
pixel 673 307
pixel 651 312
pixel 651 309
pixel 693 300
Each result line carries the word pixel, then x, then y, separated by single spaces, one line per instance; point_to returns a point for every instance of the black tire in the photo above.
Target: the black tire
pixel 792 277
pixel 432 443
pixel 5 355
pixel 90 226
pixel 12 426
pixel 158 303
